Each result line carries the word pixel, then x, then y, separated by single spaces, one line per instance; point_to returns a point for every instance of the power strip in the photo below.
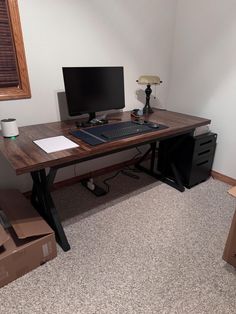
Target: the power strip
pixel 94 188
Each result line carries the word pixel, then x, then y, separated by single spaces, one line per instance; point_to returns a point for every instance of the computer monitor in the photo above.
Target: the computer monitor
pixel 93 89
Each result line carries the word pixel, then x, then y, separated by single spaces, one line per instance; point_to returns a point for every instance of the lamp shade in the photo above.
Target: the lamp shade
pixel 149 79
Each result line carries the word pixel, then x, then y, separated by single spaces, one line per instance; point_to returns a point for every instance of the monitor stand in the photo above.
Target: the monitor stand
pixel 92 116
pixel 92 121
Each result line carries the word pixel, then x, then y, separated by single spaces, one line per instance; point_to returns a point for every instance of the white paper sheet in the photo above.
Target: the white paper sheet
pixel 55 144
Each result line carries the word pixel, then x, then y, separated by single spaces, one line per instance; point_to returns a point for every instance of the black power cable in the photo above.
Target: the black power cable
pixel 126 171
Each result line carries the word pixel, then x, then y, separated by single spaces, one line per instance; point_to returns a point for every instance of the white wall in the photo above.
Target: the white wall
pixel 136 34
pixel 203 79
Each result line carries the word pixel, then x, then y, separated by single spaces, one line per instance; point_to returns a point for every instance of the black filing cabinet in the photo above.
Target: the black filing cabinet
pixel 191 155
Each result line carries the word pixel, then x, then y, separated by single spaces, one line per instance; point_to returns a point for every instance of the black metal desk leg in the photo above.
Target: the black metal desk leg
pixel 42 200
pixel 179 184
pixel 153 156
pixel 175 182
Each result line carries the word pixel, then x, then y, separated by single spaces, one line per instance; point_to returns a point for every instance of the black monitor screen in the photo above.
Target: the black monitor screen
pixel 92 89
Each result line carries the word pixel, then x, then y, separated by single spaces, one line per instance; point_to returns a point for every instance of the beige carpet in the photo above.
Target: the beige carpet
pixel 143 248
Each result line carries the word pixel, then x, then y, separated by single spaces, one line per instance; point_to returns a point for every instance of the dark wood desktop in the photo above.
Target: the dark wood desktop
pixel 26 157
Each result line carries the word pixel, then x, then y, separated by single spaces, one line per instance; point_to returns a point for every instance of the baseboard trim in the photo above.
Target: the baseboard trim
pixel 223 178
pixel 96 173
pixel 92 174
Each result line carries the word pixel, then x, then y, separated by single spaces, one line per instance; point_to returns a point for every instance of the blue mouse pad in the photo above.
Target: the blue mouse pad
pixel 94 135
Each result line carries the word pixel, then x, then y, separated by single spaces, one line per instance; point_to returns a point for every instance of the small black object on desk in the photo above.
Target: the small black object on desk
pixel 93 122
pixel 150 124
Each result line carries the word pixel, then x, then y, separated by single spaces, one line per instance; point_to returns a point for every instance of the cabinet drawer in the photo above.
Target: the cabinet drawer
pixel 200 171
pixel 205 151
pixel 193 158
pixel 203 142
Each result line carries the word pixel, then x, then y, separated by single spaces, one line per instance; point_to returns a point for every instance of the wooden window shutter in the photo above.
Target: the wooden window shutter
pixel 8 64
pixel 14 81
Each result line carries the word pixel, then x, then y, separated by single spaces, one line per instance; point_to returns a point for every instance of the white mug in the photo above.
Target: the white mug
pixel 9 127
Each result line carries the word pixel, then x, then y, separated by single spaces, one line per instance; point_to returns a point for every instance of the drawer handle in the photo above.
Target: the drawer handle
pixel 205 152
pixel 202 163
pixel 205 143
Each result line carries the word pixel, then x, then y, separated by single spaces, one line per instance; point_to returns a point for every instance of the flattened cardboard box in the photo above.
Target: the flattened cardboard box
pixel 26 241
pixel 232 191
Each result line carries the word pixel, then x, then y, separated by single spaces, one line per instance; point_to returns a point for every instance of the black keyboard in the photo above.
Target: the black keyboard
pixel 120 132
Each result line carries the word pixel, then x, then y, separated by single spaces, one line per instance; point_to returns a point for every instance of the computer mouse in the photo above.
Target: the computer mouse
pixel 140 122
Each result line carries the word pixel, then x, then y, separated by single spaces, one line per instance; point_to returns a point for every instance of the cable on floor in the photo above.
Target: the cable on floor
pixel 127 171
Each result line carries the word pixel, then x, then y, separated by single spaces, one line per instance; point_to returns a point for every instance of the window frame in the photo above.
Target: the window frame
pixel 23 90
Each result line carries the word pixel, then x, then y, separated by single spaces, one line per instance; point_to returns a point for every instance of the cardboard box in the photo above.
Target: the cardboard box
pixel 232 191
pixel 26 240
pixel 229 254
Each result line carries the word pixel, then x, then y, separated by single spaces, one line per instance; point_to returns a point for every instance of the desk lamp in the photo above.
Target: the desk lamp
pixel 148 80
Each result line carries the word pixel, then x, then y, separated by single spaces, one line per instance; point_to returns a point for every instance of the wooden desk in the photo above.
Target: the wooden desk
pixel 26 157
